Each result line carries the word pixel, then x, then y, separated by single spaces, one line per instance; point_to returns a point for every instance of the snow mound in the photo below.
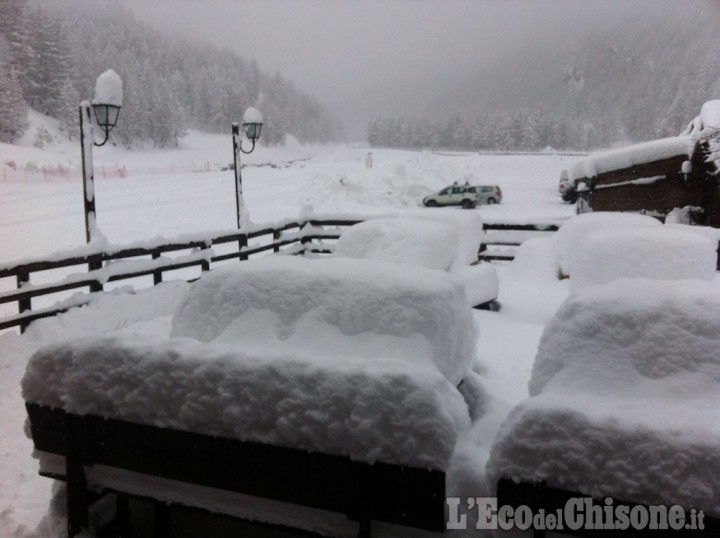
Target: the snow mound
pixel 713 234
pixel 408 240
pixel 651 252
pixel 365 409
pixel 573 233
pixel 447 241
pixel 252 115
pixel 625 392
pixel 468 224
pixel 348 357
pixel 333 307
pixel 109 89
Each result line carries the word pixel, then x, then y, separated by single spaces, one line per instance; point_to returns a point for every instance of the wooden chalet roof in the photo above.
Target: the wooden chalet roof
pixel 644 160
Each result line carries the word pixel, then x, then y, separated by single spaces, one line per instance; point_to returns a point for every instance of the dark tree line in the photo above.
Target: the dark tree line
pixel 51 54
pixel 509 131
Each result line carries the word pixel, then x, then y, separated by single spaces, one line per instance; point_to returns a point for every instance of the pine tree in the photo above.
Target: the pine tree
pixel 67 108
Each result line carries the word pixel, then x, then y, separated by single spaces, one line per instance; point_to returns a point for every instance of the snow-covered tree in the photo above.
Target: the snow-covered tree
pixel 13 112
pixel 58 49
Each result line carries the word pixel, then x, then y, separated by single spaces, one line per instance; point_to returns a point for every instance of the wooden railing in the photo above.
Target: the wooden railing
pixel 99 267
pixel 502 240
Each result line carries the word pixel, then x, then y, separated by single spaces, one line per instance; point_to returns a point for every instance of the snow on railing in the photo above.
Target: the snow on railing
pixel 90 268
pixel 58 173
pixel 96 265
pixel 504 237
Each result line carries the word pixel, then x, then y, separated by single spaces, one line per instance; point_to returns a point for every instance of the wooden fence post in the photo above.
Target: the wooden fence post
pixel 277 234
pixel 157 275
pixel 77 513
pixel 94 264
pixel 205 265
pixel 242 242
pixel 24 304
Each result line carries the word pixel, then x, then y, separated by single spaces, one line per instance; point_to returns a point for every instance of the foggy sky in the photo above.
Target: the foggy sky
pixel 364 57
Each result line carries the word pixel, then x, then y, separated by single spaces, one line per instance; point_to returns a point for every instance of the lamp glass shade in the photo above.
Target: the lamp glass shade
pixel 106 115
pixel 252 130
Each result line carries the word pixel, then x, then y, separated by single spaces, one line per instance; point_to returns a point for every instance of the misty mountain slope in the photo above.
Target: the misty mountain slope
pixel 638 78
pixel 57 49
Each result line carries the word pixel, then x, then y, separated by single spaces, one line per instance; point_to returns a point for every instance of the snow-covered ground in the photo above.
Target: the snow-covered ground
pixel 164 194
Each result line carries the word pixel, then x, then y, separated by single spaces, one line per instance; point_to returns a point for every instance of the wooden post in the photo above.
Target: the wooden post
pixel 157 275
pixel 277 234
pixel 242 243
pixel 161 519
pixel 24 304
pixel 205 265
pixel 94 264
pixel 77 516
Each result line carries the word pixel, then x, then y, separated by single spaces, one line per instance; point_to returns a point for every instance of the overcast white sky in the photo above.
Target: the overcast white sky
pixel 360 57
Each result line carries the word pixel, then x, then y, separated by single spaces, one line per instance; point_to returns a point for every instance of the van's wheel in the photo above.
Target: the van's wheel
pixel 431 203
pixel 467 204
pixel 492 201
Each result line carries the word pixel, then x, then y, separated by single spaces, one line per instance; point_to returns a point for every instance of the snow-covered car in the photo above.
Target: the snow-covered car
pixel 447 241
pixel 487 194
pixel 466 196
pixel 462 195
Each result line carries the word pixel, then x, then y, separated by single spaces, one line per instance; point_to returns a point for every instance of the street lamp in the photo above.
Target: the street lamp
pixel 106 104
pixel 252 124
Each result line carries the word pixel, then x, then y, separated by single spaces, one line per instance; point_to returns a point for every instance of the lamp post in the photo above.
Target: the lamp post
pixel 106 104
pixel 252 124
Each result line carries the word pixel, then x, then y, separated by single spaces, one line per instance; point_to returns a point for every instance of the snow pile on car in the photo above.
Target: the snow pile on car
pixel 333 355
pixel 625 393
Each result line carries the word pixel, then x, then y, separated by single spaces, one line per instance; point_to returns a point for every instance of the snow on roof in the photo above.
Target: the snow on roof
pixel 349 357
pixel 710 114
pixel 709 118
pixel 627 157
pixel 656 252
pixel 108 89
pixel 625 397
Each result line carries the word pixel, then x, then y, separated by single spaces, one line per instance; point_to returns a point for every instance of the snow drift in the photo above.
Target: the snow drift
pixel 571 235
pixel 625 391
pixel 337 356
pixel 437 239
pixel 661 253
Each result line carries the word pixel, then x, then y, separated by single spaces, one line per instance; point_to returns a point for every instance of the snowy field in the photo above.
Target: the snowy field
pixel 176 191
pixel 162 196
